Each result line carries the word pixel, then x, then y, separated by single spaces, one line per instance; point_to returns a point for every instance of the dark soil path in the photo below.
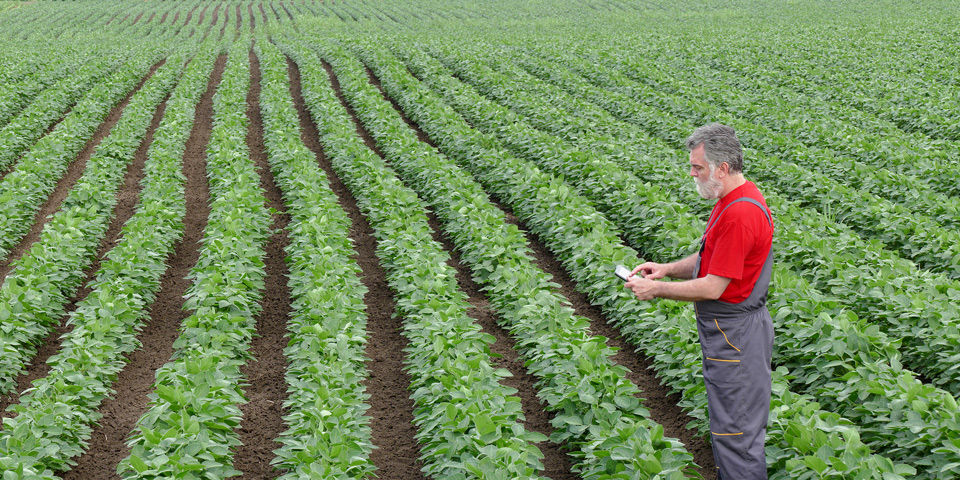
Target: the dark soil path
pixel 121 411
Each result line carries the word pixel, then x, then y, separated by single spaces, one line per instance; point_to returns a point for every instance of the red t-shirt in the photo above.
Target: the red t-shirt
pixel 738 245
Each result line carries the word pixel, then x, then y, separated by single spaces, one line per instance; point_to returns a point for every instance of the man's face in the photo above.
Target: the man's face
pixel 704 175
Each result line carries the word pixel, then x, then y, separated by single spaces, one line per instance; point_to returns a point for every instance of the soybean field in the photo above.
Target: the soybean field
pixel 357 239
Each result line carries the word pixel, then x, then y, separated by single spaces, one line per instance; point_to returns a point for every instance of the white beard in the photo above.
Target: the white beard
pixel 709 188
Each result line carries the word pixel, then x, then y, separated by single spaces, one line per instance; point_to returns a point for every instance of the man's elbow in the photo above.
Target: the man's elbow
pixel 715 287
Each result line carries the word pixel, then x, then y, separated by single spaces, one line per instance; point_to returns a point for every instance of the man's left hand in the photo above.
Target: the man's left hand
pixel 643 288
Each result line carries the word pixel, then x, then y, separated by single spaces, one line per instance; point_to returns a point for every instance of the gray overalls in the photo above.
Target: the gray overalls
pixel 737 343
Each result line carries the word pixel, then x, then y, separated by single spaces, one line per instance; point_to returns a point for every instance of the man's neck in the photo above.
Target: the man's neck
pixel 732 183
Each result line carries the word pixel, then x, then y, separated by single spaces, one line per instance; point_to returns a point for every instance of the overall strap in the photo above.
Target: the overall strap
pixel 741 199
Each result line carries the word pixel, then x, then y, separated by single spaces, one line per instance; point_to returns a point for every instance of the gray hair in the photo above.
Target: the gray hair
pixel 720 144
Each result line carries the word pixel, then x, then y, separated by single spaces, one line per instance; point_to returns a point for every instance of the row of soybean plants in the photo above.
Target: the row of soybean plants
pixel 49 105
pixel 833 124
pixel 896 152
pixel 54 418
pixel 189 428
pixel 34 295
pixel 469 425
pixel 833 258
pixel 588 253
pixel 829 353
pixel 328 434
pixel 597 414
pixel 23 191
pixel 922 237
pixel 898 210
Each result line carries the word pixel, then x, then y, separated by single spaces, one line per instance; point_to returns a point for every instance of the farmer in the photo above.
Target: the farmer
pixel 727 281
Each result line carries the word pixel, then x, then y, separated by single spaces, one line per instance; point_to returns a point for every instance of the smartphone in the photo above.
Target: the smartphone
pixel 623 273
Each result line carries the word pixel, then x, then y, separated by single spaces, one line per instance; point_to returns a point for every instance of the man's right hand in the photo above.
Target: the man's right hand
pixel 651 270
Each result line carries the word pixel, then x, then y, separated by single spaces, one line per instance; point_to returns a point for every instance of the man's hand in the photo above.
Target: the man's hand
pixel 644 288
pixel 651 270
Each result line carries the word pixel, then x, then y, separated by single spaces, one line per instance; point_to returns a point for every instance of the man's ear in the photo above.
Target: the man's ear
pixel 723 170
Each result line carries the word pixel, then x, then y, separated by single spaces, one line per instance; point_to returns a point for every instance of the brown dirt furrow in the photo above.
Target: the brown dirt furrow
pixel 215 17
pixel 287 10
pixel 239 19
pixel 253 18
pixel 70 178
pixel 266 388
pixel 130 188
pixel 555 461
pixel 176 17
pixel 397 453
pixel 122 410
pixel 662 405
pixel 152 15
pixel 135 20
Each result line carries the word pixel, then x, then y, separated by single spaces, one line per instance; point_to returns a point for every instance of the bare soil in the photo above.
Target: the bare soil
pixel 393 433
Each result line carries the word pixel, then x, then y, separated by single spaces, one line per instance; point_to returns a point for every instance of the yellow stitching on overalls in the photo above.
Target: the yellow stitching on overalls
pixel 724 334
pixel 722 360
pixel 725 434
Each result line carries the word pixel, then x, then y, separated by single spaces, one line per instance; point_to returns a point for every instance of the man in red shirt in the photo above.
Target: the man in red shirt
pixel 727 280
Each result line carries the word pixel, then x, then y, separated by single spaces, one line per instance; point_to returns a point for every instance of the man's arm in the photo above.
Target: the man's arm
pixel 681 269
pixel 696 290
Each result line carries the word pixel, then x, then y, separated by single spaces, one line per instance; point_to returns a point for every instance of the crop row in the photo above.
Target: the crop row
pixel 916 102
pixel 328 434
pixel 17 94
pixel 597 412
pixel 24 130
pixel 833 124
pixel 810 352
pixel 55 416
pixel 921 228
pixel 468 424
pixel 624 305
